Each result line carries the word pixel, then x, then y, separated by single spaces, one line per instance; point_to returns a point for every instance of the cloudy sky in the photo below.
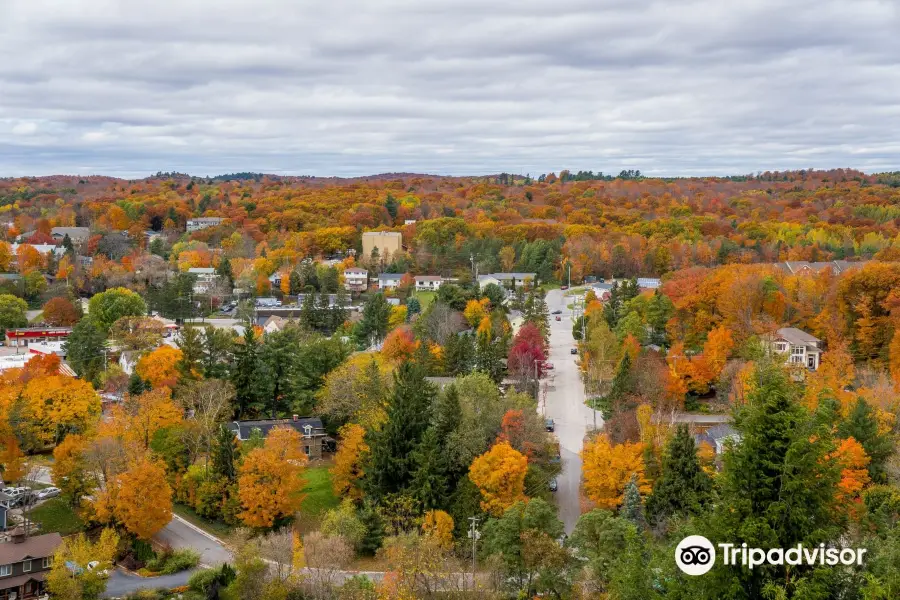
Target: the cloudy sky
pixel 351 87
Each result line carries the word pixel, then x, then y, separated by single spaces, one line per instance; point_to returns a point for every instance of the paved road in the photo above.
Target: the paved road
pixel 565 404
pixel 121 583
pixel 181 534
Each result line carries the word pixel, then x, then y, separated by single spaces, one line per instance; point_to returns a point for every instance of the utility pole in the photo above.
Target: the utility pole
pixel 474 534
pixel 568 264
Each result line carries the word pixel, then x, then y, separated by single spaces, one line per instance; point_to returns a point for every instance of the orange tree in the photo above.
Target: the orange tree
pixel 607 468
pixel 270 481
pixel 499 474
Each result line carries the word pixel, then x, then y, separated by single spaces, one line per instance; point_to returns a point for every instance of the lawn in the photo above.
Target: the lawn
pixel 56 515
pixel 425 299
pixel 319 496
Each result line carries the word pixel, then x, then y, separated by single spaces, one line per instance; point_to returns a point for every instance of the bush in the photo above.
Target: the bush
pixel 169 562
pixel 143 551
pixel 201 581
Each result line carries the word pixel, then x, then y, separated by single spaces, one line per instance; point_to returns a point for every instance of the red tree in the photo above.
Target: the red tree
pixel 526 355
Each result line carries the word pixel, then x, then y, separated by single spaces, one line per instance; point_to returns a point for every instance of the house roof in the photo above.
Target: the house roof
pixel 429 278
pixel 71 231
pixel 356 270
pixel 390 233
pixel 391 276
pixel 38 546
pixel 201 270
pixel 797 337
pixel 243 429
pixel 206 219
pixel 506 276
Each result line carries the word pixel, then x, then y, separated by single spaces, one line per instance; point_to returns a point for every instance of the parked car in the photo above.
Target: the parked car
pixel 553 485
pixel 558 318
pixel 50 492
pixel 92 566
pixel 548 366
pixel 549 424
pixel 563 287
pixel 557 312
pixel 573 351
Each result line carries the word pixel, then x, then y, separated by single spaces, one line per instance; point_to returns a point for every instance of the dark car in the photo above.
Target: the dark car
pixel 549 425
pixel 557 312
pixel 573 351
pixel 553 485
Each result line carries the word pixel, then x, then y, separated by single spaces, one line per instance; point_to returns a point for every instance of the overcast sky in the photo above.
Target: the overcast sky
pixel 130 87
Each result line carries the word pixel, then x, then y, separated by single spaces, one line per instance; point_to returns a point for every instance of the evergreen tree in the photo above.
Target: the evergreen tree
pixel 683 487
pixel 778 487
pixel 86 349
pixel 391 205
pixel 374 323
pixel 390 464
pixel 659 311
pixel 224 270
pixel 296 283
pixel 309 312
pixel 429 479
pixel 413 307
pixel 225 454
pixel 862 425
pixel 190 342
pixel 247 375
pixel 459 354
pixel 136 385
pixel 67 244
pixel 371 541
pixel 329 282
pixel 279 353
pixel 632 507
pixel 338 313
pixel 621 384
pixel 217 350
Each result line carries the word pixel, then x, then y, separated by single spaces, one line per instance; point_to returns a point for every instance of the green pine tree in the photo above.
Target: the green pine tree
pixel 190 342
pixel 225 454
pixel 390 464
pixel 248 376
pixel 374 322
pixel 632 507
pixel 862 426
pixel 683 487
pixel 86 349
pixel 429 479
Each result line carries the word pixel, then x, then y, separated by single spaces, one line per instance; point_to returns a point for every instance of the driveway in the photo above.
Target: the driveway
pixel 180 534
pixel 565 404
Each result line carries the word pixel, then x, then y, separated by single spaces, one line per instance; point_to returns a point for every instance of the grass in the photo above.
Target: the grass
pixel 56 515
pixel 220 529
pixel 425 298
pixel 320 497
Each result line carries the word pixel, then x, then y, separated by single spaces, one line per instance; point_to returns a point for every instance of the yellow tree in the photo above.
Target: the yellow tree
pixel 12 460
pixel 439 525
pixel 271 480
pixel 397 316
pixel 68 467
pixel 143 499
pixel 606 469
pixel 80 550
pixel 854 462
pixel 139 417
pixel 832 378
pixel 57 403
pixel 160 367
pixel 347 468
pixel 476 310
pixel 499 474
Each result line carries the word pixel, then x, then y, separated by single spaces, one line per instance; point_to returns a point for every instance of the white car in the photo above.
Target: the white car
pixel 50 492
pixel 92 566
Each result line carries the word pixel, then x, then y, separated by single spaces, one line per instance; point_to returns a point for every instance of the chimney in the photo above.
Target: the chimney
pixel 296 418
pixel 17 536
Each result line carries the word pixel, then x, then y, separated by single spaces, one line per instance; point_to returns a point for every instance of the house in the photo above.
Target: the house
pixel 356 279
pixel 387 243
pixel 77 235
pixel 802 267
pixel 648 283
pixel 315 440
pixel 43 249
pixel 389 281
pixel 202 223
pixel 428 283
pixel 128 360
pixel 26 335
pixel 24 564
pixel 409 221
pixel 508 280
pixel 274 324
pixel 799 347
pixel 718 437
pixel 205 279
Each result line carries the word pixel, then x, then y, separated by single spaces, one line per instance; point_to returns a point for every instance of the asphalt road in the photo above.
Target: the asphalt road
pixel 180 534
pixel 565 404
pixel 121 583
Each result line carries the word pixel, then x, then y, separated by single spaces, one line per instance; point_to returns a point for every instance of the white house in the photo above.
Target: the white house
pixel 648 283
pixel 389 281
pixel 799 347
pixel 202 223
pixel 356 279
pixel 428 283
pixel 505 279
pixel 43 249
pixel 206 279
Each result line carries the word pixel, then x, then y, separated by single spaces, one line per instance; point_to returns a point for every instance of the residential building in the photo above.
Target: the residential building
pixel 27 335
pixel 648 283
pixel 802 267
pixel 77 235
pixel 205 279
pixel 506 279
pixel 386 242
pixel 24 564
pixel 428 283
pixel 799 347
pixel 43 249
pixel 202 223
pixel 274 323
pixel 389 281
pixel 409 221
pixel 315 440
pixel 356 279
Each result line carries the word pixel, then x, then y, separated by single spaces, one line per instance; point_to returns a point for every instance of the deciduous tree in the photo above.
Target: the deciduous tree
pixel 608 467
pixel 499 474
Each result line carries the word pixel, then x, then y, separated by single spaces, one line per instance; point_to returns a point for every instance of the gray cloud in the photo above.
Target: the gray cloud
pixel 447 86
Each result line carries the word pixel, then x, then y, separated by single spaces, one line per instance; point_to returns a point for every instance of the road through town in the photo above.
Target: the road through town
pixel 565 404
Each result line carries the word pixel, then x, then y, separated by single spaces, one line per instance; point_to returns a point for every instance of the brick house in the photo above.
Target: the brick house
pixel 315 440
pixel 24 564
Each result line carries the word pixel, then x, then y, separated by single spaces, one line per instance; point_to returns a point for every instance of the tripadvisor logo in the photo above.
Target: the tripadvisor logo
pixel 696 555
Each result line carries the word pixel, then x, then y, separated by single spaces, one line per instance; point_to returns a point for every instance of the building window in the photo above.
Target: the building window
pixel 5 570
pixel 26 566
pixel 798 350
pixel 46 562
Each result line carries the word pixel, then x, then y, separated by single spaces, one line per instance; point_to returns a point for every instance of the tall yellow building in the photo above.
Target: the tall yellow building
pixel 387 242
